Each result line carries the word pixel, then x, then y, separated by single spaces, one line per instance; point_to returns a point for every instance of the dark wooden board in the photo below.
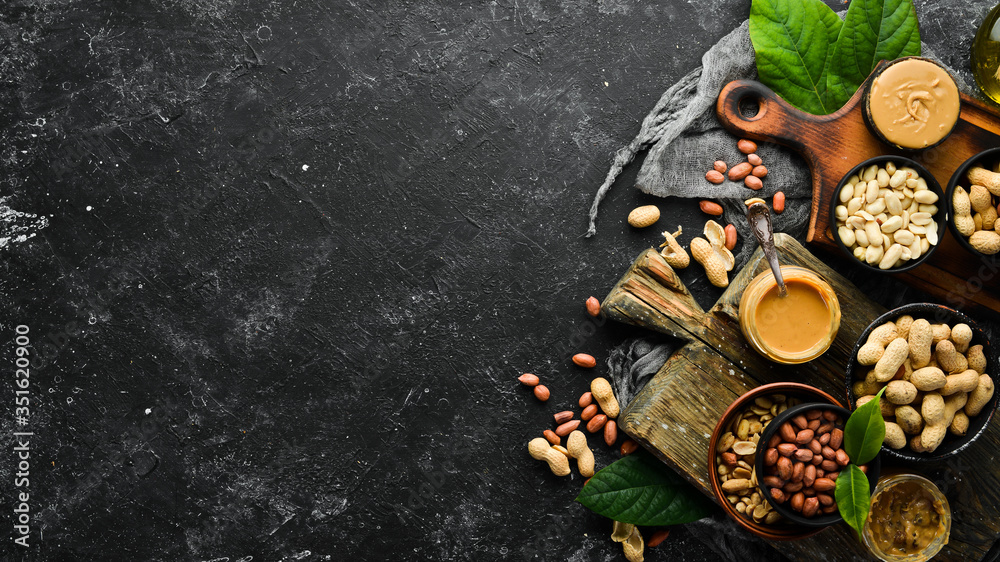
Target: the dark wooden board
pixel 675 414
pixel 833 144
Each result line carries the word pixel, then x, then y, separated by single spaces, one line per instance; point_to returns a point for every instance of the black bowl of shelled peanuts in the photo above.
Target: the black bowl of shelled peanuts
pixel 802 460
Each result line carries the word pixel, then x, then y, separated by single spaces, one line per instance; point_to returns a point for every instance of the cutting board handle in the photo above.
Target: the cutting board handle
pixel 775 120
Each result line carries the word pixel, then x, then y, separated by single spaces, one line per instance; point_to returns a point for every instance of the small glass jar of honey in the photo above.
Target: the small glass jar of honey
pixel 909 520
pixel 794 328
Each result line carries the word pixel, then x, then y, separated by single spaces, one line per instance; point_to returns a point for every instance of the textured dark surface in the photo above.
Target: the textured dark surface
pixel 291 256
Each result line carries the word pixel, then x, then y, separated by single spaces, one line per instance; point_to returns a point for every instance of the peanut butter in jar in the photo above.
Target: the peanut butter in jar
pixel 913 103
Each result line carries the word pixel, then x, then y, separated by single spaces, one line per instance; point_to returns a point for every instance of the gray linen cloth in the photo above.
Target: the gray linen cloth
pixel 684 137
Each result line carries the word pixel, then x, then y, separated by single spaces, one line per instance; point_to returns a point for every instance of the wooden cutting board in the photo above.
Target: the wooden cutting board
pixel 675 413
pixel 833 144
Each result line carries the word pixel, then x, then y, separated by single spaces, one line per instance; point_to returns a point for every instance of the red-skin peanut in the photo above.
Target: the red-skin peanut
pixel 542 392
pixel 815 447
pixel 527 379
pixel 798 471
pixel 562 417
pixel 774 442
pixel 787 432
pixel 829 453
pixel 778 203
pixel 715 176
pixel 824 439
pixel 567 428
pixel 820 472
pixel 610 433
pixel 797 501
pixel 825 428
pixel 832 475
pixel 629 447
pixel 586 399
pixel 803 455
pixel 830 415
pixel 813 425
pixel 786 449
pixel 836 438
pixel 829 509
pixel 589 412
pixel 784 466
pixel 804 436
pixel 746 146
pixel 814 414
pixel 584 360
pixel 777 495
pixel 864 468
pixel 759 171
pixel 773 482
pixel 829 465
pixel 551 437
pixel 658 537
pixel 825 499
pixel 800 422
pixel 817 460
pixel 824 484
pixel 710 208
pixel 753 182
pixel 754 160
pixel 808 491
pixel 593 306
pixel 730 236
pixel 730 459
pixel 770 457
pixel 792 487
pixel 720 166
pixel 810 475
pixel 596 423
pixel 810 507
pixel 842 458
pixel 740 171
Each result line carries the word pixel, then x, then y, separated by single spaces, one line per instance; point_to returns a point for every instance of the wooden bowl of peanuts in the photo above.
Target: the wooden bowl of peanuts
pixel 888 215
pixel 731 460
pixel 935 364
pixel 972 201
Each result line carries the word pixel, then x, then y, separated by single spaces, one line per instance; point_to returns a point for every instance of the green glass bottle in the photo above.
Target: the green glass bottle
pixel 986 55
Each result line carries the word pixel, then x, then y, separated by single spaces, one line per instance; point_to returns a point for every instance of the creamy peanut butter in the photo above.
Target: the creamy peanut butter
pixel 905 518
pixel 794 323
pixel 913 103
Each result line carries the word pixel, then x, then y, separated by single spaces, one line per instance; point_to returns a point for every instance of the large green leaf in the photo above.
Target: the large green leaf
pixel 873 30
pixel 853 496
pixel 793 41
pixel 865 431
pixel 639 489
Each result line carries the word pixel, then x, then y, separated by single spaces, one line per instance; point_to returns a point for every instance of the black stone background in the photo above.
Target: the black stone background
pixel 298 252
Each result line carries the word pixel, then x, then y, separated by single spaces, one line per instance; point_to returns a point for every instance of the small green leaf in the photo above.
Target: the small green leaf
pixel 640 490
pixel 865 431
pixel 793 41
pixel 853 497
pixel 873 30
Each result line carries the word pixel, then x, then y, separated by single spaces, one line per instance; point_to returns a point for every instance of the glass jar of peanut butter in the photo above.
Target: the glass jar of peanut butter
pixel 909 520
pixel 796 328
pixel 912 103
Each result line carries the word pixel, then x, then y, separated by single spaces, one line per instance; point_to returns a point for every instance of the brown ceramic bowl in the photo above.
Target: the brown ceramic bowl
pixel 783 530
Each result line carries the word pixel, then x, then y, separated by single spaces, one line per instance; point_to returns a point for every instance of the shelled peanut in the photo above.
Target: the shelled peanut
pixel 804 459
pixel 736 450
pixel 885 216
pixel 935 380
pixel 751 172
pixel 975 209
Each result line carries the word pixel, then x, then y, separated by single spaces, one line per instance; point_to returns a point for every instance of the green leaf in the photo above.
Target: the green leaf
pixel 639 489
pixel 793 41
pixel 865 431
pixel 874 30
pixel 853 497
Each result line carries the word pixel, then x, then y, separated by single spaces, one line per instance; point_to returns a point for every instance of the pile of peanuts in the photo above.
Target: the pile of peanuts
pixel 976 210
pixel 803 460
pixel 935 380
pixel 751 172
pixel 735 454
pixel 885 216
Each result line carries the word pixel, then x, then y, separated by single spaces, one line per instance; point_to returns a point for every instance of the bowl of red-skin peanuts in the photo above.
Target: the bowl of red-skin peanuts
pixel 801 461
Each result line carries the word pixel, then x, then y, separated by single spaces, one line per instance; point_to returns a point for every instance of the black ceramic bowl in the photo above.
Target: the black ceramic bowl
pixel 820 520
pixel 986 159
pixel 935 314
pixel 940 217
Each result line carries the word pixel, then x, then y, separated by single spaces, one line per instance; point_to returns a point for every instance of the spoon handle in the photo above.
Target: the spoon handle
pixel 760 223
